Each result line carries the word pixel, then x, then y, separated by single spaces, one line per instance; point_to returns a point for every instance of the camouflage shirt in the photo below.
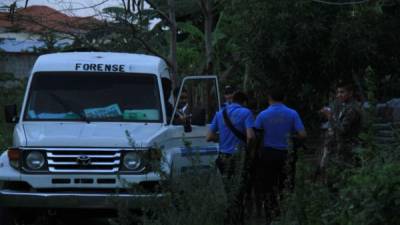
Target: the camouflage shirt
pixel 346 121
pixel 345 126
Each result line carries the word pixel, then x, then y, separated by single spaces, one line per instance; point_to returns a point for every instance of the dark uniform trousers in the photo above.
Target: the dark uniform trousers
pixel 233 168
pixel 272 174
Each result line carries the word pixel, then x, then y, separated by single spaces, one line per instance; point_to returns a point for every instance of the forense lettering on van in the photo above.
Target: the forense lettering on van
pixel 99 67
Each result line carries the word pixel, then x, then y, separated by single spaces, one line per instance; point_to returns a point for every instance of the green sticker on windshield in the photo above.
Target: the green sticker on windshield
pixel 141 114
pixel 103 112
pixel 72 116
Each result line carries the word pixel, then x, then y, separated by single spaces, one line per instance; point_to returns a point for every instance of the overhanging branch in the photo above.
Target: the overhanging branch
pixel 341 3
pixel 161 13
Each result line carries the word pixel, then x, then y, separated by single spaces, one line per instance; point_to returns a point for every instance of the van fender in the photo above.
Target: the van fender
pixel 8 173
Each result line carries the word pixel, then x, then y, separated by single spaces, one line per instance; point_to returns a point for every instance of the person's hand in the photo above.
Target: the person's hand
pixel 327 112
pixel 183 117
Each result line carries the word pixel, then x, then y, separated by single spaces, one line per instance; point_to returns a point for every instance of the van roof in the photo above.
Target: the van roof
pixel 134 63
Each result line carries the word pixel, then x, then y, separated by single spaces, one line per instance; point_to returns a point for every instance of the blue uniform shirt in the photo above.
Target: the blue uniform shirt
pixel 225 104
pixel 278 122
pixel 241 118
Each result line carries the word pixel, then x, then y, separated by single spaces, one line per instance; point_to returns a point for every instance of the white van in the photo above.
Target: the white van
pixel 88 127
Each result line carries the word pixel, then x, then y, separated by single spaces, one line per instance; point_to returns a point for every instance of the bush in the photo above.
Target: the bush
pixel 11 92
pixel 367 194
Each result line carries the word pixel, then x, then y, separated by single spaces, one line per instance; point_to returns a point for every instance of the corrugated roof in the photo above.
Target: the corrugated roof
pixel 41 19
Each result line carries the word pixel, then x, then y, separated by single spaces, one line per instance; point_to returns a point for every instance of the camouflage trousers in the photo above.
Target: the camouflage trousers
pixel 335 156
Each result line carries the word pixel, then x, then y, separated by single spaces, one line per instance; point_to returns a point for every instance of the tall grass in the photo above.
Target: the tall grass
pixel 197 197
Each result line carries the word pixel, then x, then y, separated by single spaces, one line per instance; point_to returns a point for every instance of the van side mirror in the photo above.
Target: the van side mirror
pixel 11 114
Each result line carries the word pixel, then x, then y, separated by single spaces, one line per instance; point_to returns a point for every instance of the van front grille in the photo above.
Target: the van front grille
pixel 83 160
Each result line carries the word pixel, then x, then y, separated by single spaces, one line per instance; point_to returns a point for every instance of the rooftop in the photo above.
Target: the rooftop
pixel 42 19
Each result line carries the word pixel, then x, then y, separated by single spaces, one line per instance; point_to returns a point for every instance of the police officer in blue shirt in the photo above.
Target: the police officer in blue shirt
pixel 235 126
pixel 243 122
pixel 229 90
pixel 278 123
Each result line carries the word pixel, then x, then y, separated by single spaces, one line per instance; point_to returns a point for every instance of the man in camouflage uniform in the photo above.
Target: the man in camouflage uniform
pixel 344 125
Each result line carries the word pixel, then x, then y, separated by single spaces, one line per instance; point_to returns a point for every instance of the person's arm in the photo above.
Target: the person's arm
pixel 212 131
pixel 299 127
pixel 250 135
pixel 211 136
pixel 258 127
pixel 301 134
pixel 257 133
pixel 249 122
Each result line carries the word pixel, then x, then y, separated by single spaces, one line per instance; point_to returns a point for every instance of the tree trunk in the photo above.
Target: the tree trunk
pixel 207 10
pixel 246 77
pixel 141 5
pixel 128 6
pixel 172 50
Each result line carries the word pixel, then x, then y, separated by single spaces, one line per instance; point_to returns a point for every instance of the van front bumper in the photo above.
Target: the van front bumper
pixel 12 198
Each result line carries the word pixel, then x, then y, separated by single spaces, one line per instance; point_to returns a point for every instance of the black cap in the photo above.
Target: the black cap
pixel 229 89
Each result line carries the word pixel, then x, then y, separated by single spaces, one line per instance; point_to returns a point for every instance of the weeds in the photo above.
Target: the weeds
pixel 195 197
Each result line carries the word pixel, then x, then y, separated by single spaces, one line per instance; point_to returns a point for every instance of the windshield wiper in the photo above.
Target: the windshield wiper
pixel 84 117
pixel 68 108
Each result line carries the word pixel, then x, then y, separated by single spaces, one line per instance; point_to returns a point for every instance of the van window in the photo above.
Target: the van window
pixel 113 97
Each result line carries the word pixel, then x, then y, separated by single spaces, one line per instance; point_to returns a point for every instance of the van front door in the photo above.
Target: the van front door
pixel 196 103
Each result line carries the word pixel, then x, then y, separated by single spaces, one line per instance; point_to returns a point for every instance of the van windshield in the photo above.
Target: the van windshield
pixel 74 96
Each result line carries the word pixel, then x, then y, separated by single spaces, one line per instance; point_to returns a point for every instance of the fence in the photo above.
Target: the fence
pixel 19 64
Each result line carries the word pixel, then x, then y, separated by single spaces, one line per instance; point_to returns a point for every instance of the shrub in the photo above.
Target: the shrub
pixel 11 92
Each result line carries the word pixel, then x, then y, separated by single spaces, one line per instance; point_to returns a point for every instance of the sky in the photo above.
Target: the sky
pixel 70 7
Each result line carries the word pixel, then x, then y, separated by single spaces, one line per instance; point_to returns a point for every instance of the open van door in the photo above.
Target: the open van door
pixel 196 103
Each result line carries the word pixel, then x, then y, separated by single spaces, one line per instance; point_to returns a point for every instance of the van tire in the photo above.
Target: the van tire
pixel 12 216
pixel 5 216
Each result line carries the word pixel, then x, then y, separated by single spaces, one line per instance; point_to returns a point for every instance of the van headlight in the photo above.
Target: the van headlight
pixel 132 161
pixel 35 160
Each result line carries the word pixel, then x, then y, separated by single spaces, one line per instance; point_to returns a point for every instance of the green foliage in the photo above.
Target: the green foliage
pixel 365 195
pixel 306 47
pixel 126 32
pixel 5 77
pixel 190 53
pixel 196 198
pixel 369 118
pixel 371 196
pixel 11 92
pixel 197 195
pixel 367 192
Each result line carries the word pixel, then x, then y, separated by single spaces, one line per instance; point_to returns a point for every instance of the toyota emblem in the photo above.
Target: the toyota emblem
pixel 84 160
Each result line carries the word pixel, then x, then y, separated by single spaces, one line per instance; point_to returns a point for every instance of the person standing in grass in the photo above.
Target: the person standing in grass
pixel 235 126
pixel 277 123
pixel 344 122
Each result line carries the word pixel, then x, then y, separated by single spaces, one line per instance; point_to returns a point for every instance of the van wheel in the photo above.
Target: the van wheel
pixel 5 217
pixel 10 216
